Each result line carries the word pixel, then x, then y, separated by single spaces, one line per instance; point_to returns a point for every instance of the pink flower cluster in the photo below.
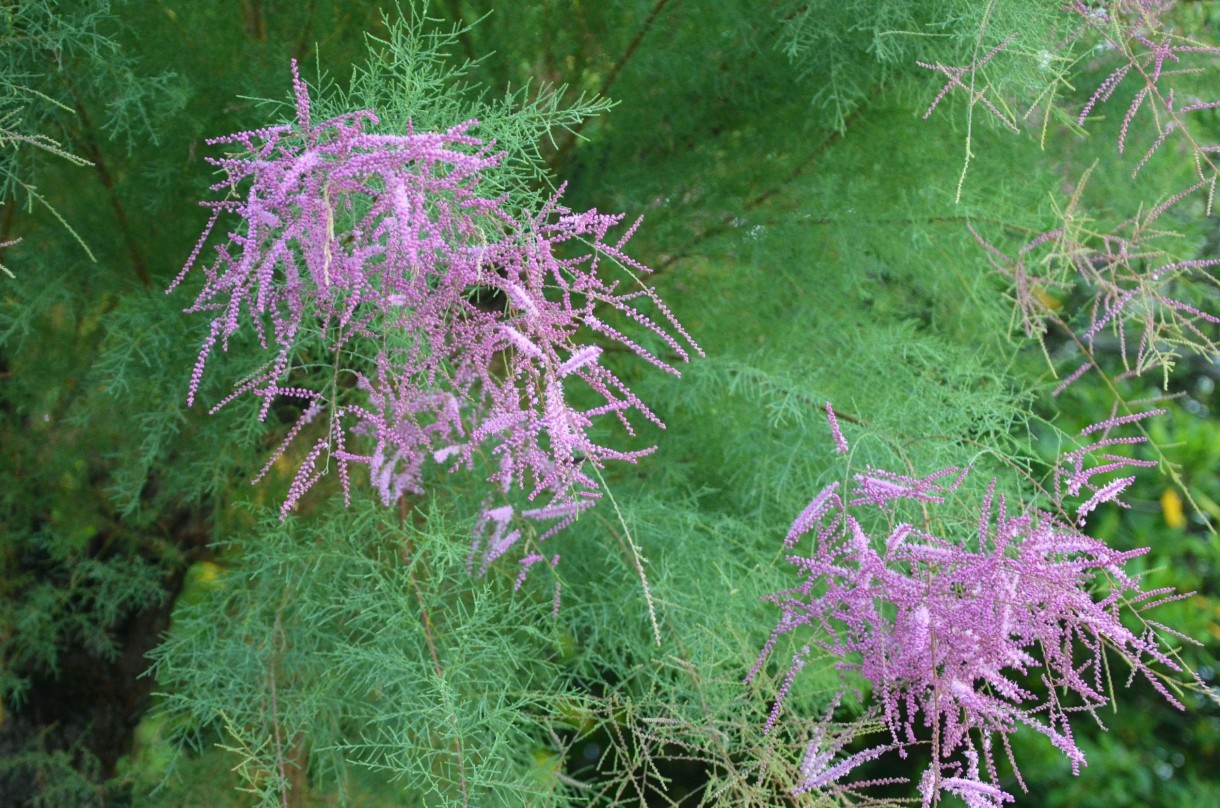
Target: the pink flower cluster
pixel 382 248
pixel 950 628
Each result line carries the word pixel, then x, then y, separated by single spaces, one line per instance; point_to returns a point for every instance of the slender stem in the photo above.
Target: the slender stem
pixel 636 557
pixel 275 714
pixel 631 47
pixel 86 142
pixel 254 20
pixel 302 46
pixel 461 29
pixel 6 226
pixel 760 199
pixel 574 133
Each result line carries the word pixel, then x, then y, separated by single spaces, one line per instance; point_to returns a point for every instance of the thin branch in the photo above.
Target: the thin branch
pixel 574 133
pixel 277 636
pixel 760 199
pixel 86 142
pixel 637 558
pixel 462 30
pixel 302 47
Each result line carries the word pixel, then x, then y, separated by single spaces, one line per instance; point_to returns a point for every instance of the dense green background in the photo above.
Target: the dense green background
pixel 805 223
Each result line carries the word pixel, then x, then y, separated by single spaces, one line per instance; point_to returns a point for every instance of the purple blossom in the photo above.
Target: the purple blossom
pixel 812 514
pixel 948 629
pixel 835 431
pixel 977 96
pixel 493 537
pixel 380 245
pixel 1135 30
pixel 968 785
pixel 880 487
pixel 1077 468
pixel 1071 378
pixel 820 772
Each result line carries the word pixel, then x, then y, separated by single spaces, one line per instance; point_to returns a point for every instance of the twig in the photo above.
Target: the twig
pixel 757 201
pixel 574 133
pixel 87 143
pixel 636 557
pixel 275 714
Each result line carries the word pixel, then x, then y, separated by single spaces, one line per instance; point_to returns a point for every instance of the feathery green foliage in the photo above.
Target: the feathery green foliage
pixel 836 207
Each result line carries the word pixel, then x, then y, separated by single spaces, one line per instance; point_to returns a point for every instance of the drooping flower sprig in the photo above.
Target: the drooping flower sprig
pixel 457 327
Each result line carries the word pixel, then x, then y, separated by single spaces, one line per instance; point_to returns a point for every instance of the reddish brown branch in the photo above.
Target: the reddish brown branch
pixel 574 133
pixel 86 142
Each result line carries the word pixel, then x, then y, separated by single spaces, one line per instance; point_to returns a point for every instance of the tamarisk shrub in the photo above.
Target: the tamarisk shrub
pixel 383 247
